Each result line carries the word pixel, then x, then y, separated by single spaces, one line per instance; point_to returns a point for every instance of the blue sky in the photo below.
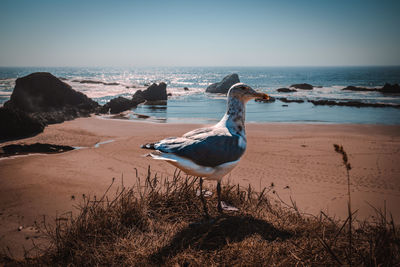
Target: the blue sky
pixel 199 33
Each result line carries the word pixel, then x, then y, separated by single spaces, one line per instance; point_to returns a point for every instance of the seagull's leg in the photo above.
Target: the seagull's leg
pixel 219 196
pixel 202 198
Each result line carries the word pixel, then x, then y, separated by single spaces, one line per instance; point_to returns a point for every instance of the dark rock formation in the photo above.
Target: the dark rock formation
pixel 286 90
pixel 111 83
pixel 360 89
pixel 185 88
pixel 138 97
pixel 118 105
pixel 17 124
pixel 386 89
pixel 223 86
pixel 264 100
pixel 304 86
pixel 285 100
pixel 87 81
pixel 94 82
pixel 352 104
pixel 151 94
pixel 49 99
pixel 391 89
pixel 21 149
pixel 156 92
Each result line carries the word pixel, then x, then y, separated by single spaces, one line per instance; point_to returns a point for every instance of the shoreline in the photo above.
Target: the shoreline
pixel 298 158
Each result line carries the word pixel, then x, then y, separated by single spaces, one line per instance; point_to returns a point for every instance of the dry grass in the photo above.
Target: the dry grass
pixel 160 222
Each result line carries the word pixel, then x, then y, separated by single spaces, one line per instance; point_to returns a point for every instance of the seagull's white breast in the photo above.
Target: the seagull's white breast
pixel 191 168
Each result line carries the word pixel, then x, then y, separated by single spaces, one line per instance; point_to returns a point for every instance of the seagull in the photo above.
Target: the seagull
pixel 211 152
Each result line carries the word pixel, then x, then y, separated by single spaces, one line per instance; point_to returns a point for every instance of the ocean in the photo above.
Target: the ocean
pixel 196 106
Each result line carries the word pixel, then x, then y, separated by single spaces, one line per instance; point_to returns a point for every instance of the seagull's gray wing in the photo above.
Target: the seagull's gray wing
pixel 206 146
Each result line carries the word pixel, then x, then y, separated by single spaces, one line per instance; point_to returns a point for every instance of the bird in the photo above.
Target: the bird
pixel 211 152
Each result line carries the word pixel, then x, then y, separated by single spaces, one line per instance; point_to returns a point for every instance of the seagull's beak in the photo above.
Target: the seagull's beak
pixel 262 96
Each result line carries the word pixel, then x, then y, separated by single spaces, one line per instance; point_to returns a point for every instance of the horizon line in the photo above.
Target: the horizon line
pixel 200 66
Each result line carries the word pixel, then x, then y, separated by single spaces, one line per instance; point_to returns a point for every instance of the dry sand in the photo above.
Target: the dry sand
pixel 298 158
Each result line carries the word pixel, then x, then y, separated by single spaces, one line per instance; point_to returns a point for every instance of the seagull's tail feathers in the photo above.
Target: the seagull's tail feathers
pixel 148 146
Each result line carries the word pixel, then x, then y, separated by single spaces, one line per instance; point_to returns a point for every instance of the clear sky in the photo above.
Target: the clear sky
pixel 199 33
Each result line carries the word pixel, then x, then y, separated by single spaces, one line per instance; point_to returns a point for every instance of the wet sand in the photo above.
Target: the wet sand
pixel 298 159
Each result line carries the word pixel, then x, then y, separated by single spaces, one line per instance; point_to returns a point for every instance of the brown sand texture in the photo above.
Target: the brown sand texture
pixel 299 159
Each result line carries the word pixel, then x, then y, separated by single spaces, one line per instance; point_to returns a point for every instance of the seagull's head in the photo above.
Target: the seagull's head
pixel 245 92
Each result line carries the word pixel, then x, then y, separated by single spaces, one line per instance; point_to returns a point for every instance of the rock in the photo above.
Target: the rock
pixel 285 100
pixel 263 100
pixel 88 81
pixel 304 86
pixel 17 124
pixel 223 86
pixel 185 88
pixel 118 105
pixel 94 82
pixel 351 104
pixel 21 149
pixel 156 92
pixel 111 83
pixel 286 90
pixel 386 89
pixel 361 89
pixel 121 104
pixel 138 97
pixel 169 94
pixel 390 89
pixel 49 99
pixel 285 106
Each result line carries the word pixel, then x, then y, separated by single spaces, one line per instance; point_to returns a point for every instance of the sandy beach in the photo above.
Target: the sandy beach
pixel 298 159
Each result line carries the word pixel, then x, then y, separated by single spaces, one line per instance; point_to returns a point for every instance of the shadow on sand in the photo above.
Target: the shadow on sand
pixel 216 233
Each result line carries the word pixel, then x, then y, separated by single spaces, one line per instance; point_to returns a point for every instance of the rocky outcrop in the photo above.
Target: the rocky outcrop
pixel 351 104
pixel 185 89
pixel 386 89
pixel 138 96
pixel 285 100
pixel 17 124
pixel 286 90
pixel 156 92
pixel 391 89
pixel 94 82
pixel 303 86
pixel 118 105
pixel 39 99
pixel 271 99
pixel 359 89
pixel 223 86
pixel 21 149
pixel 47 98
